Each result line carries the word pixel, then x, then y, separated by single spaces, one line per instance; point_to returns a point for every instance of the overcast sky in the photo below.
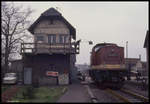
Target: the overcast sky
pixel 114 22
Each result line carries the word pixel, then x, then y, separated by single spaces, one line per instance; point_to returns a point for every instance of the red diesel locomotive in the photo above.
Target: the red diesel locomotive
pixel 108 65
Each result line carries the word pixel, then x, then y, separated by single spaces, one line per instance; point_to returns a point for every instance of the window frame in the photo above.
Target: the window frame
pixel 37 38
pixel 63 38
pixel 52 38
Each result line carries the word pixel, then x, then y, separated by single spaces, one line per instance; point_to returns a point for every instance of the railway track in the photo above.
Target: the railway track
pixel 127 95
pixel 122 95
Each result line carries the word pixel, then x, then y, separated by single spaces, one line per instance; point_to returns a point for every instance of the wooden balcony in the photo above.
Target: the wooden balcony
pixel 42 48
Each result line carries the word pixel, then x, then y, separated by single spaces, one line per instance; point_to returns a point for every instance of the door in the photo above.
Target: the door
pixel 27 75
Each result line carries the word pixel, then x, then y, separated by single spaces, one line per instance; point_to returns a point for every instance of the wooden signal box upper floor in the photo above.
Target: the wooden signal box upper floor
pixel 52 34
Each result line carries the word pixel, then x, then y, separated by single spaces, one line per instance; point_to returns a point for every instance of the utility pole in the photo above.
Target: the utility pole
pixel 128 66
pixel 126 49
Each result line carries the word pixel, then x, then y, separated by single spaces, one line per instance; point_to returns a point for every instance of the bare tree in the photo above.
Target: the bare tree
pixel 14 25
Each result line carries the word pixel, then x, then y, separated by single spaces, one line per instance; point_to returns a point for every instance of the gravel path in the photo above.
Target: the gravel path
pixel 76 93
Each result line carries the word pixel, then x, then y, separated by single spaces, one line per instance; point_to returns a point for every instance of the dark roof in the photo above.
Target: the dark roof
pixel 146 39
pixel 101 45
pixel 53 14
pixel 104 44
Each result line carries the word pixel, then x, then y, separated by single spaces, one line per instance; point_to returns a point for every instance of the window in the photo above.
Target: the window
pixel 52 38
pixel 66 39
pixel 63 39
pixel 40 38
pixel 49 39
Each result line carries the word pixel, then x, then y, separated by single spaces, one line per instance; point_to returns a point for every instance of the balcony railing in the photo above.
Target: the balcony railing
pixel 37 48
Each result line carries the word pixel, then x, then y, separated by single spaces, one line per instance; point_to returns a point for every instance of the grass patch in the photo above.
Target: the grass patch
pixel 41 94
pixel 5 87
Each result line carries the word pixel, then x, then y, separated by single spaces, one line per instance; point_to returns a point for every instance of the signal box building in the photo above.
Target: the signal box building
pixel 51 58
pixel 146 45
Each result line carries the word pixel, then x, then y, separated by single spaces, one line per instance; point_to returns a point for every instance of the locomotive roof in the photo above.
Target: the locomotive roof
pixel 104 44
pixel 100 45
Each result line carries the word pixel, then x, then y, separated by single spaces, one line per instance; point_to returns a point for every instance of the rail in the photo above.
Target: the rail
pixel 36 48
pixel 129 93
pixel 118 96
pixel 136 95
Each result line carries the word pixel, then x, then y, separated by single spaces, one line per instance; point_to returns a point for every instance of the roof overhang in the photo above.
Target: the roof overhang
pixel 54 15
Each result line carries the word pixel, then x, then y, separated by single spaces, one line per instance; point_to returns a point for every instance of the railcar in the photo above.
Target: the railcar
pixel 108 65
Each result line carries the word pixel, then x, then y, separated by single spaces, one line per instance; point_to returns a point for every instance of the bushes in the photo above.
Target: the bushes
pixel 4 87
pixel 40 94
pixel 28 93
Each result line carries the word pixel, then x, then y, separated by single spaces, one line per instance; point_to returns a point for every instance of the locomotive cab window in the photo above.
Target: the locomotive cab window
pixel 112 53
pixel 97 48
